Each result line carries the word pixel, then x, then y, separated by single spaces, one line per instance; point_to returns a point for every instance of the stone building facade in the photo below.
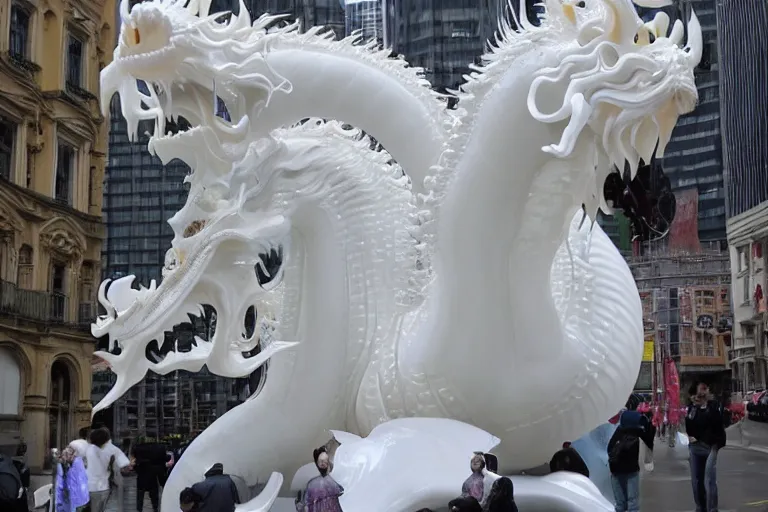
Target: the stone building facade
pixel 53 144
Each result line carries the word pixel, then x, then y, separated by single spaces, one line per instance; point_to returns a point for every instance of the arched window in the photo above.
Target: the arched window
pixel 10 383
pixel 60 405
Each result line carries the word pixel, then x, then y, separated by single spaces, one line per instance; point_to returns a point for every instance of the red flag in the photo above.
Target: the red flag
pixel 672 386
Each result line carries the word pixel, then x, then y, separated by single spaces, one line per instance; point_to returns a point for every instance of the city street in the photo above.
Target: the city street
pixel 742 477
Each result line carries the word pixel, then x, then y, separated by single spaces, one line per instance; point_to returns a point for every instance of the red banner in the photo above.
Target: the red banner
pixel 672 387
pixel 684 231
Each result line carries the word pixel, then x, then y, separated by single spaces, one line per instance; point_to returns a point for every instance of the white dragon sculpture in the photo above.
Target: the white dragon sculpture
pixel 451 276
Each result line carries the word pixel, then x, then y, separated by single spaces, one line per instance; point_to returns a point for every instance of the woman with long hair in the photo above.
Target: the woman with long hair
pixel 502 497
pixel 71 482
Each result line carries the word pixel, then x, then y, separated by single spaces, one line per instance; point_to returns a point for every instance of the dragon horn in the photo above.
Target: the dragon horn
pixel 694 44
pixel 103 298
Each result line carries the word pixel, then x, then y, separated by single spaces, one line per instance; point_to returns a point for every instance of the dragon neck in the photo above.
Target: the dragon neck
pixel 500 178
pixel 350 269
pixel 364 88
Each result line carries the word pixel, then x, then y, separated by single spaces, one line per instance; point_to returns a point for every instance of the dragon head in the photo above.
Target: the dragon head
pixel 227 257
pixel 224 247
pixel 622 83
pixel 175 60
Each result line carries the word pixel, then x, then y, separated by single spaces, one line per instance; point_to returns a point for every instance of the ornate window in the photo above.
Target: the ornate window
pixel 87 311
pixel 7 136
pixel 65 170
pixel 58 290
pixel 10 383
pixel 60 405
pixel 26 264
pixel 75 61
pixel 18 44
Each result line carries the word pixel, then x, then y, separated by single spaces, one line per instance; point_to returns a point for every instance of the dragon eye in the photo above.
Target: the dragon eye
pixel 136 36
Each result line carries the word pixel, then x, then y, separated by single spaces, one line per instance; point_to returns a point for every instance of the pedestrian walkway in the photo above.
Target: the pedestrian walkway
pixel 125 499
pixel 741 481
pixel 749 434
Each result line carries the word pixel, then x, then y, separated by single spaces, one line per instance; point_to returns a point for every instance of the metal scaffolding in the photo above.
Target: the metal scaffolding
pixel 687 311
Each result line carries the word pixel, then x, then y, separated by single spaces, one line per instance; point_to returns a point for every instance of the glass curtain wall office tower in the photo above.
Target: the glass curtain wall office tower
pixel 442 36
pixel 743 26
pixel 693 160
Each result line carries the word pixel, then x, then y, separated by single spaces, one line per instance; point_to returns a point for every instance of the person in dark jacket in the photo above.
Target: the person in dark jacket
pixel 706 433
pixel 217 492
pixel 624 460
pixel 150 472
pixel 465 504
pixel 12 493
pixel 502 496
pixel 189 501
pixel 568 459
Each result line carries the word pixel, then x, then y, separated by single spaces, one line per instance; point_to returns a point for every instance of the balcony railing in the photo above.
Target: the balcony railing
pixel 47 307
pixel 75 89
pixel 737 353
pixel 744 342
pixel 86 314
pixel 21 62
pixel 705 354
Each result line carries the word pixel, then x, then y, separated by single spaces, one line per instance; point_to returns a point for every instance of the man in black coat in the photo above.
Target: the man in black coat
pixel 568 459
pixel 218 492
pixel 150 458
pixel 706 433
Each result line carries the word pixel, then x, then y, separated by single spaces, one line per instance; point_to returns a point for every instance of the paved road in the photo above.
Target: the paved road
pixel 749 434
pixel 742 482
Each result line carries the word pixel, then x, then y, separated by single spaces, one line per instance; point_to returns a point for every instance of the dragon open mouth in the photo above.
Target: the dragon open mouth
pixel 187 321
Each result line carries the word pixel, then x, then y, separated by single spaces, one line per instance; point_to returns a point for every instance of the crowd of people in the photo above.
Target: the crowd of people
pixel 633 441
pixel 86 470
pixel 484 491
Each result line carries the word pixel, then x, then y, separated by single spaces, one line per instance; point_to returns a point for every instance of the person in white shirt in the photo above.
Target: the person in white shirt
pixel 104 460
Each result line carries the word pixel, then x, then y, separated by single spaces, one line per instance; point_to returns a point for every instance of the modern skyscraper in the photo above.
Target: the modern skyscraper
pixel 693 159
pixel 743 26
pixel 744 71
pixel 442 36
pixel 327 13
pixel 364 16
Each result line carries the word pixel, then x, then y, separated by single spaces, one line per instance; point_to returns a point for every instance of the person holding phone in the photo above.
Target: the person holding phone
pixel 706 433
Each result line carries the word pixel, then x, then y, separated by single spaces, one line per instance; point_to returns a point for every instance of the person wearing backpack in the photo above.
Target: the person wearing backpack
pixel 624 461
pixel 12 495
pixel 706 434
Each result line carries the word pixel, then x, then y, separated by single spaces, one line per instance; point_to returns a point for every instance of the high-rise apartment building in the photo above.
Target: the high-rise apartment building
pixel 442 36
pixel 744 68
pixel 365 17
pixel 743 26
pixel 311 13
pixel 52 146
